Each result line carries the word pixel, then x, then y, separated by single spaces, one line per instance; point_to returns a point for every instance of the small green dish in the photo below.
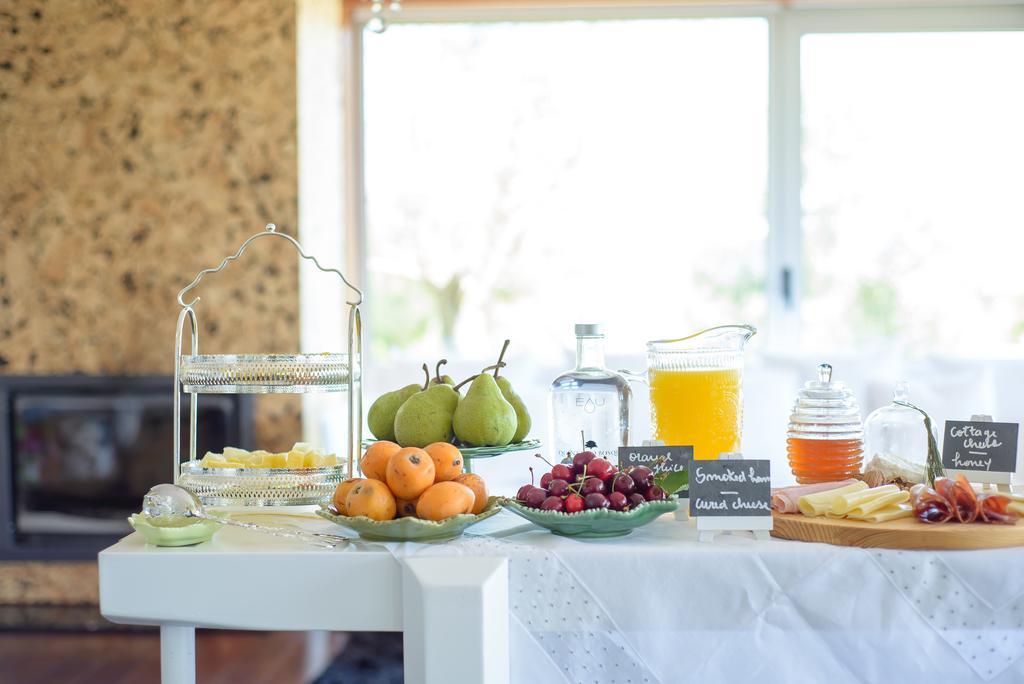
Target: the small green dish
pixel 596 523
pixel 173 531
pixel 409 529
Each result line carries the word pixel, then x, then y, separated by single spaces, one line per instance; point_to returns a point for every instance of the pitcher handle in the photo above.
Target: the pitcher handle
pixel 633 376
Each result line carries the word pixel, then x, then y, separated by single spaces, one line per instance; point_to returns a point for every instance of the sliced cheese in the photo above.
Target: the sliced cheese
pixel 845 502
pixel 295 459
pixel 878 503
pixel 820 503
pixel 890 512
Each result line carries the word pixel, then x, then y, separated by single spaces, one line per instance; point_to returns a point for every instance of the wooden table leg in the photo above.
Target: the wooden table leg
pixel 177 654
pixel 455 620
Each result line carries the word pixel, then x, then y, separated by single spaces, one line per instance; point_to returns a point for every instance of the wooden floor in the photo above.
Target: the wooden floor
pixel 221 657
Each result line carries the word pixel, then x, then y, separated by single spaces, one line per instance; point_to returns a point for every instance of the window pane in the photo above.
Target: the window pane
pixel 913 155
pixel 525 176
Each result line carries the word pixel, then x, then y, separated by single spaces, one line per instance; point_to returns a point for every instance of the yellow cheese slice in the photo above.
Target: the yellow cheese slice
pixel 845 502
pixel 295 459
pixel 890 512
pixel 277 460
pixel 878 503
pixel 820 503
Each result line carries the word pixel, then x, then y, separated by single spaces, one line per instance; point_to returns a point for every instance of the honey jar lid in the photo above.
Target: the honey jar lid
pixel 825 409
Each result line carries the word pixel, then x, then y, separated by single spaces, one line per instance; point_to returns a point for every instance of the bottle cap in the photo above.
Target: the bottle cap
pixel 589 330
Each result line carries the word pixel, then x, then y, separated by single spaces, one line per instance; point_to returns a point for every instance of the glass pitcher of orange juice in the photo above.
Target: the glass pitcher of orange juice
pixel 695 388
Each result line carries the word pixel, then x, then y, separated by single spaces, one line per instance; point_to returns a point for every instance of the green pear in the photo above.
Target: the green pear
pixel 484 417
pixel 523 420
pixel 426 417
pixel 381 416
pixel 439 379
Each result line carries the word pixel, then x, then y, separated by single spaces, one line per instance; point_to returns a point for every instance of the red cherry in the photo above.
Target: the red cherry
pixel 622 482
pixel 617 501
pixel 601 468
pixel 545 480
pixel 595 500
pixel 558 488
pixel 573 503
pixel 535 497
pixel 562 472
pixel 523 491
pixel 593 485
pixel 636 499
pixel 642 476
pixel 581 459
pixel 552 503
pixel 654 493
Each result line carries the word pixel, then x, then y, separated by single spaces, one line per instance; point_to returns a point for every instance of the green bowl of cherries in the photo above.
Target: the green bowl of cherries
pixel 590 498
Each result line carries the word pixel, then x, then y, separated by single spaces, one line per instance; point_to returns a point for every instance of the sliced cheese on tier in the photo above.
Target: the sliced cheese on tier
pixel 879 503
pixel 820 503
pixel 890 512
pixel 844 503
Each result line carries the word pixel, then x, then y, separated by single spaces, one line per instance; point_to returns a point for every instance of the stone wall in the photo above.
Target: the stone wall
pixel 139 143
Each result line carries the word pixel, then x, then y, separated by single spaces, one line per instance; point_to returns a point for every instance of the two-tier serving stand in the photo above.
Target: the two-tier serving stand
pixel 197 374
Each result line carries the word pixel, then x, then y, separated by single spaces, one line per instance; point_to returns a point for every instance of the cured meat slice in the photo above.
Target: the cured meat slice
pixel 929 506
pixel 995 508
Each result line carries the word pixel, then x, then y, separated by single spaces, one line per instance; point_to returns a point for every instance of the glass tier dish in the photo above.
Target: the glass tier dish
pixel 265 373
pixel 261 486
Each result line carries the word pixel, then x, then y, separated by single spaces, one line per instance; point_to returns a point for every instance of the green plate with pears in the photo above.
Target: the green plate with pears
pixel 490 415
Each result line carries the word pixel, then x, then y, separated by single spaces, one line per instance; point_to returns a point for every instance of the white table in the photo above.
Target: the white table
pixel 244 580
pixel 656 604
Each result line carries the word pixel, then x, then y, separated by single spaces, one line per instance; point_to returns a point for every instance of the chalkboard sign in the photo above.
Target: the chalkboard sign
pixel 660 459
pixel 730 488
pixel 980 446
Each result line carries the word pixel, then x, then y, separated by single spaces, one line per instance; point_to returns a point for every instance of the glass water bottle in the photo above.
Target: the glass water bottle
pixel 588 405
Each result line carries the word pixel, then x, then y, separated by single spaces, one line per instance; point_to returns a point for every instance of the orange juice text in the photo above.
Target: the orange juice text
pixel 698 407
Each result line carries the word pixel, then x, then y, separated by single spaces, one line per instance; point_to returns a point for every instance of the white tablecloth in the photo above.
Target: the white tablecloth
pixel 658 606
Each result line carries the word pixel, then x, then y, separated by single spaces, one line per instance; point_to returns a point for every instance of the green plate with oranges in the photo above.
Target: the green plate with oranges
pixel 595 523
pixel 409 528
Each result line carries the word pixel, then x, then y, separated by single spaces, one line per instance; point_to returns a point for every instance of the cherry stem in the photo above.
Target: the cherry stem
pixel 437 370
pixel 544 459
pixel 531 475
pixel 426 371
pixel 499 365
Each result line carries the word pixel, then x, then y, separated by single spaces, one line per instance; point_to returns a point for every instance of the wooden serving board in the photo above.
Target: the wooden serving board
pixel 905 533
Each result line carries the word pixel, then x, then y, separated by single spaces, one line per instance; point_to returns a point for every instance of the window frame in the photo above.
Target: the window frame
pixel 786 27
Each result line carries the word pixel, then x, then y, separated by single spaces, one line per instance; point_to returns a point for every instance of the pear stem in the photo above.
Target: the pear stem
pixel 469 379
pixel 498 366
pixel 437 370
pixel 426 371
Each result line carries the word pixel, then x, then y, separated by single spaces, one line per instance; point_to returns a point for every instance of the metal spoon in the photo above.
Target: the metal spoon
pixel 170 499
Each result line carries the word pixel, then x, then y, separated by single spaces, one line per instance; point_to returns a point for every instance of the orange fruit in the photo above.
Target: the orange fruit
pixel 410 471
pixel 374 462
pixel 341 493
pixel 444 500
pixel 447 460
pixel 371 498
pixel 479 489
pixel 406 508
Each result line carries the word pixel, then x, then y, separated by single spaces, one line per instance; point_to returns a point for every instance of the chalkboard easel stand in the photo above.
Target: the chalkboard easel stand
pixel 999 481
pixel 708 527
